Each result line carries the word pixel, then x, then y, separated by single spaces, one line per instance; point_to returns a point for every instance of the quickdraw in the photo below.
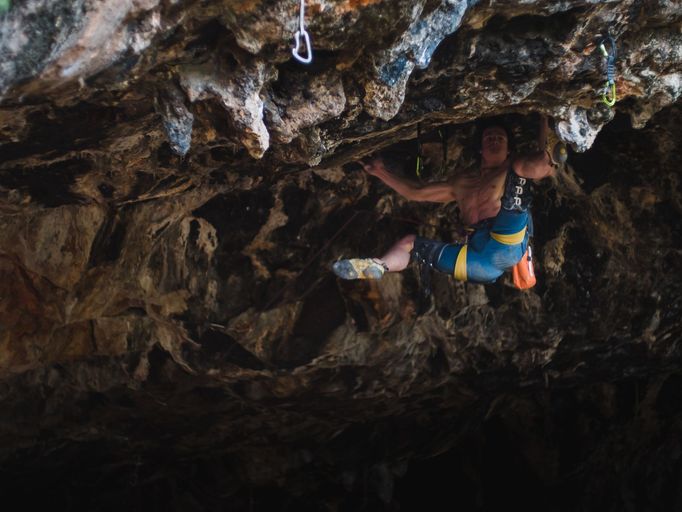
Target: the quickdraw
pixel 608 95
pixel 419 166
pixel 302 36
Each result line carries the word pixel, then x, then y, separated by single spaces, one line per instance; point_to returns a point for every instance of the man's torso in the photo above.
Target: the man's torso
pixel 479 191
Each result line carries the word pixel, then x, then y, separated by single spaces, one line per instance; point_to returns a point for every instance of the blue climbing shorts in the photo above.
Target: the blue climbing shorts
pixel 495 246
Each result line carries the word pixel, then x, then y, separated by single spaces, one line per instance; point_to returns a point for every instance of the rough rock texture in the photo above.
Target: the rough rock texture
pixel 170 333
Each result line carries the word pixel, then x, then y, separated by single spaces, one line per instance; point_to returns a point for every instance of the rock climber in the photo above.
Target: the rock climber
pixel 494 200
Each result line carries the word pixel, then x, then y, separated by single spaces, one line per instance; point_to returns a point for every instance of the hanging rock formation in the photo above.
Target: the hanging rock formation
pixel 174 188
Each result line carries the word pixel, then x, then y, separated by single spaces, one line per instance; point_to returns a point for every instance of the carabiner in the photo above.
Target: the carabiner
pixel 609 101
pixel 302 34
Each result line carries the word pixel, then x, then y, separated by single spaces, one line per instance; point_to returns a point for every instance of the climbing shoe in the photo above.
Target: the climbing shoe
pixel 359 268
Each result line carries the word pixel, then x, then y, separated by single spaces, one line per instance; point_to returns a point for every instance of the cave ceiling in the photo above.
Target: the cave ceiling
pixel 174 187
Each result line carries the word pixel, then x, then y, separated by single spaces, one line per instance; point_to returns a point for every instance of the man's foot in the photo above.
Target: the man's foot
pixel 360 268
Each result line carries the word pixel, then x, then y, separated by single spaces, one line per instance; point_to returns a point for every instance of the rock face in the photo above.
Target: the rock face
pixel 174 188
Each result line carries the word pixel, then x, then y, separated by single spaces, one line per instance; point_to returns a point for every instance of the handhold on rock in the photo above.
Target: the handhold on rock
pixel 177 118
pixel 556 149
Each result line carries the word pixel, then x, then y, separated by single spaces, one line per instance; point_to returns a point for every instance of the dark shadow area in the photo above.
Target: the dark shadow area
pixel 219 348
pixel 558 450
pixel 323 311
pixel 108 243
pixel 49 185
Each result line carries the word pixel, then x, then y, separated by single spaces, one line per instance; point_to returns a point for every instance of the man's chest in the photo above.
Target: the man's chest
pixel 483 184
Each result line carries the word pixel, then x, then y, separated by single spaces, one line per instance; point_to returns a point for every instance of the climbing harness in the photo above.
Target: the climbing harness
pixel 608 95
pixel 302 36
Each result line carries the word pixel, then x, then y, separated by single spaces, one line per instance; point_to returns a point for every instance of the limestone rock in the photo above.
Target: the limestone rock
pixel 174 188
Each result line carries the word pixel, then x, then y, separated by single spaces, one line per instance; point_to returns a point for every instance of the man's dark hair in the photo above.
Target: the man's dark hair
pixel 490 122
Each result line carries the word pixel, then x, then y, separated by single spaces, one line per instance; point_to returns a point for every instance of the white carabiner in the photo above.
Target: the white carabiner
pixel 301 33
pixel 308 51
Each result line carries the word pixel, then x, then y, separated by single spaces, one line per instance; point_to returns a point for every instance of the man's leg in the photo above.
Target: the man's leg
pixel 396 259
pixel 482 261
pixel 476 261
pixel 398 256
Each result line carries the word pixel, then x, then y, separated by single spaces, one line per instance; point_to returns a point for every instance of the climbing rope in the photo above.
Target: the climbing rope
pixel 609 92
pixel 302 37
pixel 419 164
pixel 443 134
pixel 356 213
pixel 277 295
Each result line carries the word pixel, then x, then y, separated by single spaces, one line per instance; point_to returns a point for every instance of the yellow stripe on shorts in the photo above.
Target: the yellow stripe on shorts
pixel 461 264
pixel 513 239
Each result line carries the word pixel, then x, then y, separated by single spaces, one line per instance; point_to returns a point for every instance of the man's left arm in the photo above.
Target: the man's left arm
pixel 536 165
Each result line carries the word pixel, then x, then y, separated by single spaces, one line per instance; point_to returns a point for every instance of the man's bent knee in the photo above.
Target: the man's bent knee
pixel 407 242
pixel 426 252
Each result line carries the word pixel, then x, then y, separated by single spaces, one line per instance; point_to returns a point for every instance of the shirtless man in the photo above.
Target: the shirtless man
pixel 493 200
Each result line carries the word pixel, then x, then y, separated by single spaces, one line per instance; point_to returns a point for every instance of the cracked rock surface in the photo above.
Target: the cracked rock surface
pixel 174 188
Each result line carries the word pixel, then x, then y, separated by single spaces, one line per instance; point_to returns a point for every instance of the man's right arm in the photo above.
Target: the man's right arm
pixel 438 192
pixel 537 165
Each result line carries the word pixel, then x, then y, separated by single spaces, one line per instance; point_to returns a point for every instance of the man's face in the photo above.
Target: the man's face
pixel 494 144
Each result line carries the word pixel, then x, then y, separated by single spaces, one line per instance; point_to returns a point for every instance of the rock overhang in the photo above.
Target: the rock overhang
pixel 174 187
